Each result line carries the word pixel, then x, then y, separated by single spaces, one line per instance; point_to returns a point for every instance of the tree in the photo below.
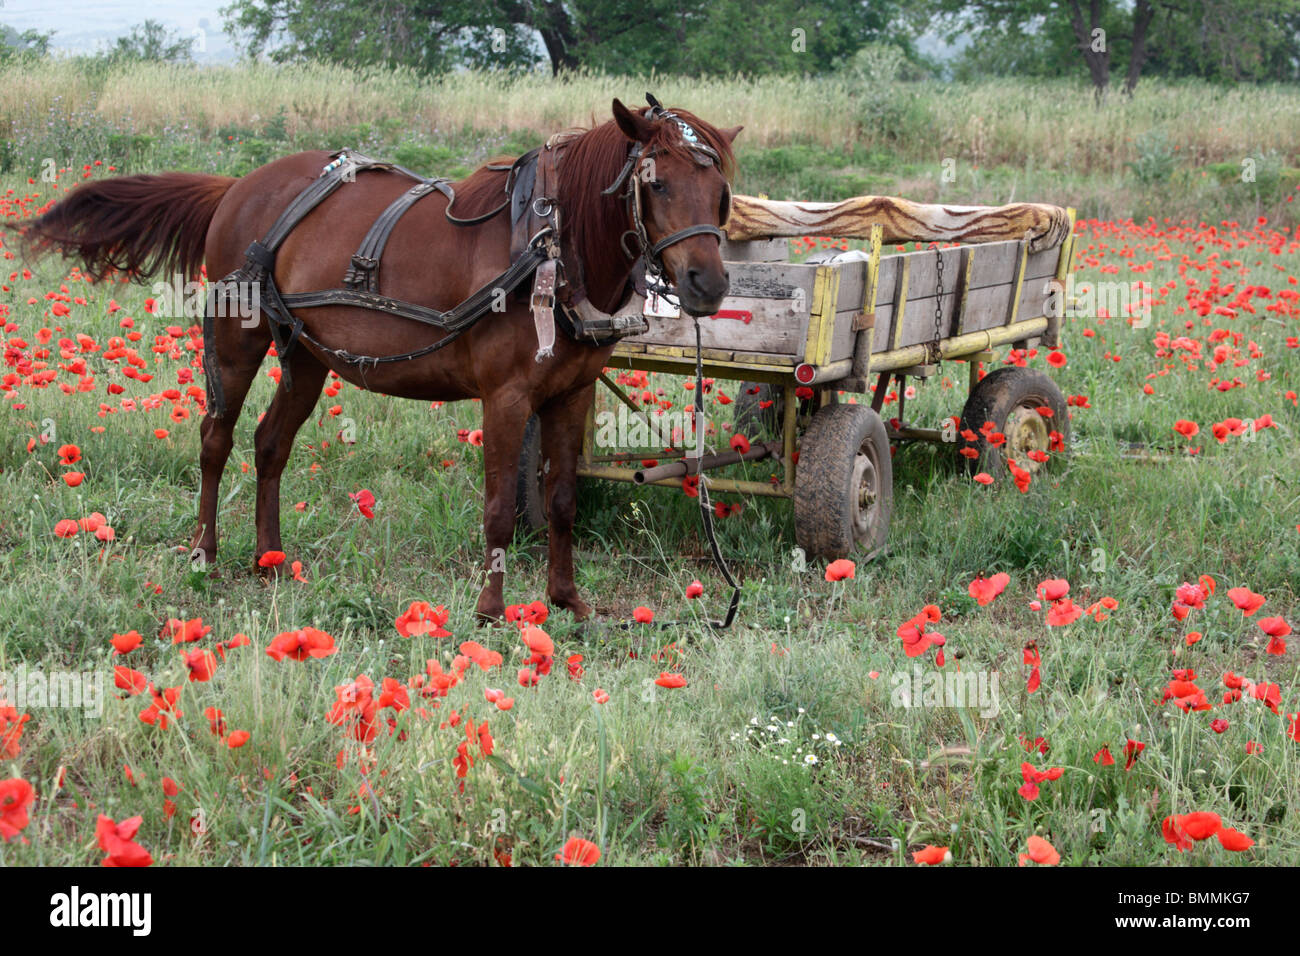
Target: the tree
pixel 427 35
pixel 152 41
pixel 30 44
pixel 617 36
pixel 1237 40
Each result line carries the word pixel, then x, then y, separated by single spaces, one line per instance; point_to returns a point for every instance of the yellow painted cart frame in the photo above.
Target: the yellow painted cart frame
pixel 827 375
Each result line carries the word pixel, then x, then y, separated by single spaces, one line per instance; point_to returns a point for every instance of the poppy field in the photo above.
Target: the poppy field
pixel 1086 665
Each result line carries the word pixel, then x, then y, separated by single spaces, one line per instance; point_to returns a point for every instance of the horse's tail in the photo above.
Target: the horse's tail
pixel 131 225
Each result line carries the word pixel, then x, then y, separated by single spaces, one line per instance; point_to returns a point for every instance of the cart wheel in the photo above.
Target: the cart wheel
pixel 530 487
pixel 1010 398
pixel 751 419
pixel 843 487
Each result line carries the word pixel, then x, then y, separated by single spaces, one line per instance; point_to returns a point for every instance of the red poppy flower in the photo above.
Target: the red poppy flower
pixel 1131 750
pixel 1063 612
pixel 16 795
pixel 1040 852
pixel 694 589
pixel 535 612
pixel 538 641
pixel 216 721
pixel 129 680
pixel 671 680
pixel 579 852
pixel 1234 840
pixel 643 615
pixel 1247 601
pixel 421 618
pixel 271 559
pixel 840 569
pixel 1054 589
pixel 931 855
pixel 1274 627
pixel 126 643
pixel 184 632
pixel 1174 834
pixel 301 644
pixel 201 664
pixel 365 502
pixel 118 841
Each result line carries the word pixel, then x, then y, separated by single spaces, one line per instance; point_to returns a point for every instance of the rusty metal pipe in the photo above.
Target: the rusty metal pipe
pixel 693 466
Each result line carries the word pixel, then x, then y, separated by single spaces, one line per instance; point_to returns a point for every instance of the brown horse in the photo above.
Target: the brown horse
pixel 136 225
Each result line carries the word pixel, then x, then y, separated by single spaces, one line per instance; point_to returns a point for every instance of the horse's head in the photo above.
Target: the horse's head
pixel 678 199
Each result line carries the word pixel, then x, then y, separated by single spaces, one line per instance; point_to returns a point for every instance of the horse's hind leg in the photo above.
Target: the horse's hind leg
pixel 273 441
pixel 239 352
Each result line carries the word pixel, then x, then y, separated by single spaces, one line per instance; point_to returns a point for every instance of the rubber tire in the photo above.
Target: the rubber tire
pixel 530 490
pixel 994 398
pixel 825 496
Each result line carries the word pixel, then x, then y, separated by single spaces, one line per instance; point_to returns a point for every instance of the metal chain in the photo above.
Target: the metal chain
pixel 938 305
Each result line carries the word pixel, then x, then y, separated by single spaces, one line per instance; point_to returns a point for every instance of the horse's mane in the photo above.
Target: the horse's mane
pixel 591 221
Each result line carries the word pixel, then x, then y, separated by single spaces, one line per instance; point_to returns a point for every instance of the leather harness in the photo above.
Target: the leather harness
pixel 531 189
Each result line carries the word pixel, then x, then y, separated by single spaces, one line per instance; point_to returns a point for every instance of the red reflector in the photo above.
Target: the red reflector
pixel 804 373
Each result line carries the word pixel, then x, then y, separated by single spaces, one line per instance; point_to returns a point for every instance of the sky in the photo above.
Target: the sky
pixel 87 26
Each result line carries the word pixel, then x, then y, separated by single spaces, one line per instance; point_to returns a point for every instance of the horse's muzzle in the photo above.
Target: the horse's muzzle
pixel 701 291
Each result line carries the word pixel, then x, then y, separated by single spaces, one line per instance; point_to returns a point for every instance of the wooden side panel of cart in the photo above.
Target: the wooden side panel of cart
pixel 831 317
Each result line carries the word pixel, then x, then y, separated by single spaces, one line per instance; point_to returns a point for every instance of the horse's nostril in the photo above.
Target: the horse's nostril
pixel 693 279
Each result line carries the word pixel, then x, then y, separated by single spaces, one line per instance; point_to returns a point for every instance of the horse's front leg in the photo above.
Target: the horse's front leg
pixel 504 419
pixel 563 422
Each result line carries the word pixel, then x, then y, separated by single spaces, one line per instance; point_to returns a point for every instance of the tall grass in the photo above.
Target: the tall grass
pixel 1051 124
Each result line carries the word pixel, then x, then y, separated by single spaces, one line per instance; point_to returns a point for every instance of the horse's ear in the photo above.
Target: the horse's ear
pixel 634 126
pixel 730 134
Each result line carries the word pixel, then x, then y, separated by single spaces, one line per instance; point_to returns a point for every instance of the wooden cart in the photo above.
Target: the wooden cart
pixel 799 334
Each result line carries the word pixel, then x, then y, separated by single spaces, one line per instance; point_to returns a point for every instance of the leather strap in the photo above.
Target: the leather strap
pixel 364 271
pixel 543 306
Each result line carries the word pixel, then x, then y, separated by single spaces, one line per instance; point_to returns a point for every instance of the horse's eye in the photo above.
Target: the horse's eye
pixel 658 186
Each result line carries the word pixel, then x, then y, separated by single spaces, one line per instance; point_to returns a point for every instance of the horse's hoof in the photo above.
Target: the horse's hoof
pixel 274 572
pixel 579 608
pixel 487 616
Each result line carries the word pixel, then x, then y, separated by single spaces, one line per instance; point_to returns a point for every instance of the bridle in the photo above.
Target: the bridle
pixel 629 181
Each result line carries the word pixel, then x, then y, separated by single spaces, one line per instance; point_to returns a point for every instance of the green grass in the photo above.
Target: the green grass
pixel 663 776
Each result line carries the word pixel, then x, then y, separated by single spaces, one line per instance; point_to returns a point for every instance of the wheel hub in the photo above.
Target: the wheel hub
pixel 866 487
pixel 1026 431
